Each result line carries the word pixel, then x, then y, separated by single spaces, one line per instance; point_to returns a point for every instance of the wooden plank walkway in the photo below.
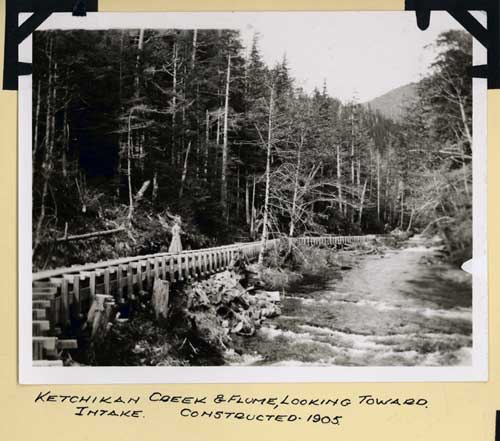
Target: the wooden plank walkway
pixel 63 296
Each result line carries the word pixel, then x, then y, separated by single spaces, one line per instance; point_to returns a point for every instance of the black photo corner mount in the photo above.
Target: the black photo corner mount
pixel 489 37
pixel 15 34
pixel 497 426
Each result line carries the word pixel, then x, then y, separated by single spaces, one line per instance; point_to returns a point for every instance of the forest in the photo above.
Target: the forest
pixel 134 127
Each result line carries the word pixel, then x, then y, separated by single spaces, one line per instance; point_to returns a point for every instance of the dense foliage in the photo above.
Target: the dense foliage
pixel 133 127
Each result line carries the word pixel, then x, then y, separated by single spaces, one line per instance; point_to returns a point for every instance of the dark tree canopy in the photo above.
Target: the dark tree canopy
pixel 132 127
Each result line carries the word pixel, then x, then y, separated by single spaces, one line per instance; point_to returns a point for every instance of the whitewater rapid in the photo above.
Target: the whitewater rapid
pixel 402 308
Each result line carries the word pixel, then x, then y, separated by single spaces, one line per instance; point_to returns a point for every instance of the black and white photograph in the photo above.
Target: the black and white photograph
pixel 240 192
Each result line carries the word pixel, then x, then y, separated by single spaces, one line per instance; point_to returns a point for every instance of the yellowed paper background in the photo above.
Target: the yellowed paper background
pixel 457 411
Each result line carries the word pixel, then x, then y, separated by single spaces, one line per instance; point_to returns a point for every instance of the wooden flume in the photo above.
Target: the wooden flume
pixel 64 296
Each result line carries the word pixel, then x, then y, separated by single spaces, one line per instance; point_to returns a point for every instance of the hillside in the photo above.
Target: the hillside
pixel 393 103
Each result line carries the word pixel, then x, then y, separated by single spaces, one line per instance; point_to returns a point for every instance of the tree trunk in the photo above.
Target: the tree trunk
pixel 217 135
pixel 360 217
pixel 465 122
pixel 247 201
pixel 358 178
pixel 387 189
pixel 378 186
pixel 411 219
pixel 352 163
pixel 121 151
pixel 49 147
pixel 199 155
pixel 402 204
pixel 207 137
pixel 129 170
pixel 194 47
pixel 120 68
pixel 291 229
pixel 155 186
pixel 252 217
pixel 238 193
pixel 352 148
pixel 184 170
pixel 268 179
pixel 65 143
pixel 37 119
pixel 223 193
pixel 464 167
pixel 140 43
pixel 174 103
pixel 339 178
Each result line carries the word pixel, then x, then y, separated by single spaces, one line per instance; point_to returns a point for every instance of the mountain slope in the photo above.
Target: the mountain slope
pixel 393 103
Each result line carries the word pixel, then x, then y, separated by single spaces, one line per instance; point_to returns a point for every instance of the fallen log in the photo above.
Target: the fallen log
pixel 90 235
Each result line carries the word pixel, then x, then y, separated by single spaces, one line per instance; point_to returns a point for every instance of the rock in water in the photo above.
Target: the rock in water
pixel 161 291
pixel 268 296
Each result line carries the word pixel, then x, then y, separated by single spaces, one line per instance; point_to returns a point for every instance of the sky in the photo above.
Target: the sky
pixel 361 55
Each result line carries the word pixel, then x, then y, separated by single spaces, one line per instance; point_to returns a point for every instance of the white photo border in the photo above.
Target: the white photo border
pixel 28 374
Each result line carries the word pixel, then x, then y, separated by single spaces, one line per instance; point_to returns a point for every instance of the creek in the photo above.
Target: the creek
pixel 404 307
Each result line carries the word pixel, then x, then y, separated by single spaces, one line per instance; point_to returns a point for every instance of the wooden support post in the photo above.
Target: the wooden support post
pixel 163 268
pixel 188 275
pixel 200 260
pixel 179 267
pixel 92 286
pixel 201 271
pixel 171 269
pixel 195 259
pixel 196 264
pixel 106 282
pixel 37 350
pixel 206 271
pixel 139 275
pixel 119 281
pixel 64 302
pixel 193 264
pixel 149 285
pixel 53 312
pixel 130 281
pixel 76 295
pixel 156 269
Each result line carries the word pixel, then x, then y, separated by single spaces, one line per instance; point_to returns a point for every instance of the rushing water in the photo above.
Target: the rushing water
pixel 401 308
